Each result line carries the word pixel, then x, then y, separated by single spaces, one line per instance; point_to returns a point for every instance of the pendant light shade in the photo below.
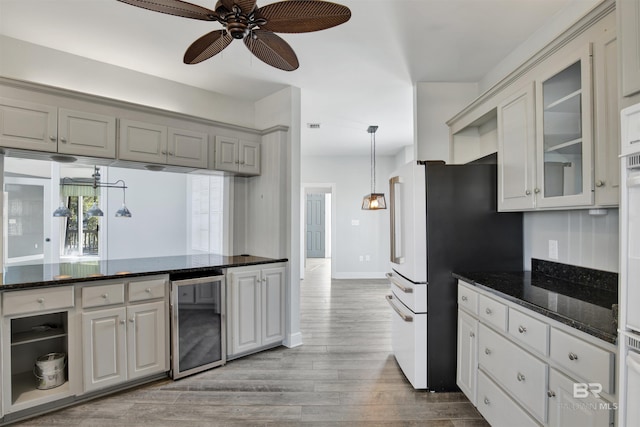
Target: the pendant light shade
pixel 62 211
pixel 94 210
pixel 373 201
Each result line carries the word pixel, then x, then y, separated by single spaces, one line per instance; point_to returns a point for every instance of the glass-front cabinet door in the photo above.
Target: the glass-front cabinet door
pixel 564 141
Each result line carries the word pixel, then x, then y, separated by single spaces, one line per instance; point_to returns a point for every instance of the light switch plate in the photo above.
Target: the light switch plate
pixel 553 249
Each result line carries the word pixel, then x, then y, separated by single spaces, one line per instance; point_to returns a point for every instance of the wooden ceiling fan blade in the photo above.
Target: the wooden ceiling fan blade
pixel 246 6
pixel 175 7
pixel 272 49
pixel 302 16
pixel 207 46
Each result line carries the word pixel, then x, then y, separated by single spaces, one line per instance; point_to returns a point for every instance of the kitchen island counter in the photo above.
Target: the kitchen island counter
pixel 30 276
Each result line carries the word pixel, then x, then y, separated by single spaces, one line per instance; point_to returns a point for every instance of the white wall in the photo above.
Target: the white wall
pixel 583 239
pixel 30 62
pixel 350 177
pixel 434 104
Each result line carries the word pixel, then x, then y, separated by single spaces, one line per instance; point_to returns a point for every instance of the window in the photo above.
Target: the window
pixel 81 238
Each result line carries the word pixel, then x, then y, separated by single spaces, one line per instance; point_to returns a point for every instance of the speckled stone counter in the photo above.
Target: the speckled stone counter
pixel 582 298
pixel 29 276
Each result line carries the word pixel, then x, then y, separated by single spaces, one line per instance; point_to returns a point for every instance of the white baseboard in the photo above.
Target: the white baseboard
pixel 360 275
pixel 293 340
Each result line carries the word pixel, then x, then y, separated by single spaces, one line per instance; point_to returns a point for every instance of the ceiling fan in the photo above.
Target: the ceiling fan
pixel 242 19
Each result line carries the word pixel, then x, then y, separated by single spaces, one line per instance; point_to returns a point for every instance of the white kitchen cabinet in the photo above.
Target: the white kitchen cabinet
pixel 526 372
pixel 516 151
pixel 571 408
pixel 124 341
pixel 237 155
pixel 564 144
pixel 151 143
pixel 628 13
pixel 35 323
pixel 256 309
pixel 467 365
pixel 40 127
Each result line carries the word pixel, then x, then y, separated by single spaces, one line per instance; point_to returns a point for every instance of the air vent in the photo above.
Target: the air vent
pixel 313 125
pixel 633 343
pixel 633 162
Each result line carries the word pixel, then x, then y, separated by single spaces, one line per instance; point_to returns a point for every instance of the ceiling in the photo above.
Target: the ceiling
pixel 358 74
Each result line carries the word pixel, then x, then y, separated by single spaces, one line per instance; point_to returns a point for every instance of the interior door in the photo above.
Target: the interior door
pixel 315 226
pixel 26 223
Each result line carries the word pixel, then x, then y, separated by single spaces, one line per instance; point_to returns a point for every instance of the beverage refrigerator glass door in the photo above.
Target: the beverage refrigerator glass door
pixel 198 339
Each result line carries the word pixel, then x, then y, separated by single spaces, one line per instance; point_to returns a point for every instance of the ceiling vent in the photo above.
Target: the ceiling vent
pixel 313 125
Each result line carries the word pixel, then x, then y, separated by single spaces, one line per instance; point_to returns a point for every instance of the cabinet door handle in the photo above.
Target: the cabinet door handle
pixel 487 350
pixel 528 192
pixel 464 298
pixel 63 140
pixel 170 153
pixel 520 377
pixel 471 334
pixel 52 138
pixel 522 329
pixel 488 311
pixel 536 190
pixel 573 356
pixel 40 300
pixel 599 183
pixel 122 322
pixel 105 296
pixel 551 393
pixel 487 401
pixel 132 320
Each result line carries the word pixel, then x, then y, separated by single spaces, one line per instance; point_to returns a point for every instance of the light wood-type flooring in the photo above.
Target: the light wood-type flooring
pixel 343 375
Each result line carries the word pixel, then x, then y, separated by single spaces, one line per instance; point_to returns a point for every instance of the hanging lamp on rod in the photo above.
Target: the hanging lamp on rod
pixel 373 201
pixel 94 210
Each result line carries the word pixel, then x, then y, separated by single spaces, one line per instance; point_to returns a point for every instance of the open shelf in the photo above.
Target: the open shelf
pixel 35 336
pixel 24 391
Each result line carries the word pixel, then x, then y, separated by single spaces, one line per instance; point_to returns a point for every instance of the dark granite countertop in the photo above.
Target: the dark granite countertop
pixel 29 276
pixel 587 306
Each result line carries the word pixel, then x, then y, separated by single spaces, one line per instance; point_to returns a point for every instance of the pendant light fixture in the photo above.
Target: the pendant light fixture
pixel 373 201
pixel 94 210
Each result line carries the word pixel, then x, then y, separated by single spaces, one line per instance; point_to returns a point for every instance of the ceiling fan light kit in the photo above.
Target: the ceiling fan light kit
pixel 243 19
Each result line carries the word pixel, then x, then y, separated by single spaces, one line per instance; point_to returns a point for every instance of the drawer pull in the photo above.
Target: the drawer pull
pixel 405 289
pixel 573 356
pixel 148 290
pixel 551 393
pixel 520 377
pixel 464 298
pixel 40 300
pixel 132 320
pixel 487 351
pixel 105 296
pixel 488 311
pixel 487 401
pixel 471 334
pixel 522 329
pixel 122 322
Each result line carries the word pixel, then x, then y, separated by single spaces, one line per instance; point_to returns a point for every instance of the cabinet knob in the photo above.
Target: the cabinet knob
pixel 163 152
pixel 105 296
pixel 471 334
pixel 522 329
pixel 132 320
pixel 122 322
pixel 573 356
pixel 52 138
pixel 487 401
pixel 63 140
pixel 528 192
pixel 40 300
pixel 148 290
pixel 599 183
pixel 242 162
pixel 170 153
pixel 536 190
pixel 487 350
pixel 520 377
pixel 551 393
pixel 464 298
pixel 488 311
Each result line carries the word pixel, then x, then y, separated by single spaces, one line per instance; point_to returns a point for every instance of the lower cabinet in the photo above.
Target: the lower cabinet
pixel 123 343
pixel 526 369
pixel 256 308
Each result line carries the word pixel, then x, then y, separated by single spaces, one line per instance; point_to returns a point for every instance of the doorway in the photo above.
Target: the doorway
pixel 317 210
pixel 316 234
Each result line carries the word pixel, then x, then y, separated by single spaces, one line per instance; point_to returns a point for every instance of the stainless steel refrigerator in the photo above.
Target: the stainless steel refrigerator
pixel 443 219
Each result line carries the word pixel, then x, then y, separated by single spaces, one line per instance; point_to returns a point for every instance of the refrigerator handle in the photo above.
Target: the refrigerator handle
pixel 395 216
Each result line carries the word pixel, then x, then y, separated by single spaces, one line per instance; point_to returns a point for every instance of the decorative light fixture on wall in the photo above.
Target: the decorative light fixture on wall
pixel 95 183
pixel 373 201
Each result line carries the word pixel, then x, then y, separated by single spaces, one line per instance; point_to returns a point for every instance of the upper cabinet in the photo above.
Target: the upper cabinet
pixel 31 126
pixel 564 146
pixel 236 155
pixel 151 143
pixel 628 12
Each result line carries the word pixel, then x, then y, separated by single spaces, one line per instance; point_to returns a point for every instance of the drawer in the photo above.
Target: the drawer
pixel 467 298
pixel 582 359
pixel 147 289
pixel 492 312
pixel 29 301
pixel 529 331
pixel 97 296
pixel 498 408
pixel 518 372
